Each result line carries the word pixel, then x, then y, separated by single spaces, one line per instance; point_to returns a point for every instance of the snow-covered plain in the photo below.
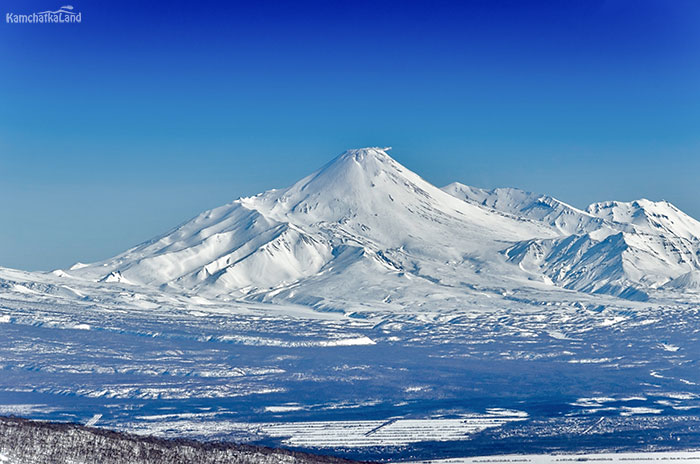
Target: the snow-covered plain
pixel 367 313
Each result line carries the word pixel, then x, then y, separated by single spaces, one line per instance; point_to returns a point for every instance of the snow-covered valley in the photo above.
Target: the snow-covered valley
pixel 368 313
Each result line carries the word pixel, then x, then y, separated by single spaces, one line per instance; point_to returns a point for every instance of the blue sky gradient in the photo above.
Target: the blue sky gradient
pixel 120 127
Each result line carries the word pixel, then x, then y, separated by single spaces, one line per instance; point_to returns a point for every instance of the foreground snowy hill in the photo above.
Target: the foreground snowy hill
pixel 23 442
pixel 364 230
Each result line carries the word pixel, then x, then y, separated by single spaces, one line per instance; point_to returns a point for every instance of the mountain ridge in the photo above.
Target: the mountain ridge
pixel 363 225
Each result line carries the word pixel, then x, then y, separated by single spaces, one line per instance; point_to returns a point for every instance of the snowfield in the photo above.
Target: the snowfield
pixel 369 314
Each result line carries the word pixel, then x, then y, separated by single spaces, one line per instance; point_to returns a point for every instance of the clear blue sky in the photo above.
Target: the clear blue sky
pixel 118 128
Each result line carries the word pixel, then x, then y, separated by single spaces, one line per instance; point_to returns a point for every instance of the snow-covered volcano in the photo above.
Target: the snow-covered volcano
pixel 364 230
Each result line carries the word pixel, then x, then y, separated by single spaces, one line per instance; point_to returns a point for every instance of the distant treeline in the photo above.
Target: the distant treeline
pixel 25 441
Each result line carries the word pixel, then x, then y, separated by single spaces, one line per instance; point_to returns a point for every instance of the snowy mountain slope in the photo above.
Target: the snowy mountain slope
pixel 690 281
pixel 620 264
pixel 228 237
pixel 360 217
pixel 663 244
pixel 580 262
pixel 564 218
pixel 659 218
pixel 613 247
pixel 364 231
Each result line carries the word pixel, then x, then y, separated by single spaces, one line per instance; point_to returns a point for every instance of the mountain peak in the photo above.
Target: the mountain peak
pixel 377 151
pixel 365 180
pixel 649 216
pixel 364 156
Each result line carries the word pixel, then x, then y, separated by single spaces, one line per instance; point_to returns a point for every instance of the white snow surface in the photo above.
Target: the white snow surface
pixel 618 248
pixel 365 230
pixel 564 218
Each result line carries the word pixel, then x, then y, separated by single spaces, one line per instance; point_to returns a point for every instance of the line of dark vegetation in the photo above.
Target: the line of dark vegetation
pixel 24 441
